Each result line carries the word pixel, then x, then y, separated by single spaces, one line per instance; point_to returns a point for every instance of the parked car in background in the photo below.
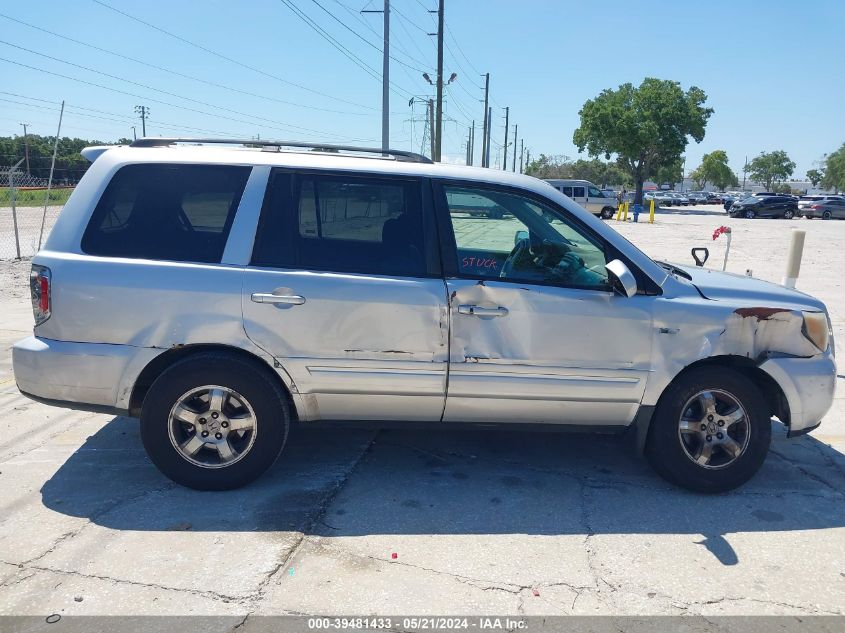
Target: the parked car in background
pixel 805 203
pixel 223 294
pixel 679 198
pixel 610 193
pixel 764 207
pixel 698 197
pixel 587 195
pixel 831 209
pixel 662 199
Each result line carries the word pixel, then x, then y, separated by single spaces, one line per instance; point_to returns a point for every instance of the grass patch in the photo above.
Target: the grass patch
pixel 33 197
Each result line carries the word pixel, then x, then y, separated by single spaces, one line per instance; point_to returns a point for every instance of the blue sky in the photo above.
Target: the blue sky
pixel 772 69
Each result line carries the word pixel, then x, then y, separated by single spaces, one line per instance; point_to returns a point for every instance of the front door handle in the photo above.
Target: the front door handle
pixel 266 297
pixel 481 311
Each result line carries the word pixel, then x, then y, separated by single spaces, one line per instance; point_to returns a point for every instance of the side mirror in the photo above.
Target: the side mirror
pixel 519 236
pixel 621 278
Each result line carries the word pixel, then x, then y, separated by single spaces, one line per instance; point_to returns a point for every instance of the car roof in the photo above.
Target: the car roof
pixel 227 155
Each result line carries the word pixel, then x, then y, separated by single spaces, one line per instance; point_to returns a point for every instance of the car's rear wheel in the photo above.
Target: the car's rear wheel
pixel 710 432
pixel 214 421
pixel 750 214
pixel 789 214
pixel 826 215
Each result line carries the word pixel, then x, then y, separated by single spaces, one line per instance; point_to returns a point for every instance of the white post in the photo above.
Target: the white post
pixel 727 250
pixel 793 262
pixel 50 181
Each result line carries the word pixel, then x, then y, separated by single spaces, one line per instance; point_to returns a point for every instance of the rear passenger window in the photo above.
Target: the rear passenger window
pixel 567 191
pixel 343 224
pixel 577 192
pixel 167 212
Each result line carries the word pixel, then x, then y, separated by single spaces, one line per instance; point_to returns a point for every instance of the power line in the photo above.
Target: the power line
pixel 173 105
pixel 355 59
pixel 147 87
pixel 178 74
pixel 231 60
pixel 361 37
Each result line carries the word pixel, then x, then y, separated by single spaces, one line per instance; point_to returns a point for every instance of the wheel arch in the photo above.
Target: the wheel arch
pixel 163 361
pixel 772 392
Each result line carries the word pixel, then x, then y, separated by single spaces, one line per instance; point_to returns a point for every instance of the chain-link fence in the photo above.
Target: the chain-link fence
pixel 23 222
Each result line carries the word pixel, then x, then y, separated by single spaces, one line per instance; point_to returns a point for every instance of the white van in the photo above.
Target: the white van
pixel 587 195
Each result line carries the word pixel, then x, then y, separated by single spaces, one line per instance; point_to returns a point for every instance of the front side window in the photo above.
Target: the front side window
pixel 353 224
pixel 595 193
pixel 530 242
pixel 166 212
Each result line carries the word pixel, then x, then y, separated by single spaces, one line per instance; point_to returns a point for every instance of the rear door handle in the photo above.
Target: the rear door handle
pixel 482 311
pixel 266 297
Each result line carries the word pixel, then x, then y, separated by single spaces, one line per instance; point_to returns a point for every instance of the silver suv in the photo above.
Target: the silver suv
pixel 221 292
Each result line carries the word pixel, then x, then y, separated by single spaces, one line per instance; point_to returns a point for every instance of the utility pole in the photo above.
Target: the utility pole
pixel 472 143
pixel 505 146
pixel 469 146
pixel 527 157
pixel 144 111
pixel 489 128
pixel 26 147
pixel 521 153
pixel 515 130
pixel 485 135
pixel 744 169
pixel 385 76
pixel 431 126
pixel 439 145
pixel 134 134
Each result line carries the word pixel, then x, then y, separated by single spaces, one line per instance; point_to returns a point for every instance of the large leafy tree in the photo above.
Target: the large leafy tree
pixel 647 127
pixel 714 168
pixel 771 167
pixel 815 176
pixel 834 170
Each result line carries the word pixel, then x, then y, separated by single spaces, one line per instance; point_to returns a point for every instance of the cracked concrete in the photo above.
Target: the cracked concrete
pixel 480 522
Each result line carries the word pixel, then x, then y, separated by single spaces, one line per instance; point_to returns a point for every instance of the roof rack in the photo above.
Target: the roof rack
pixel 396 154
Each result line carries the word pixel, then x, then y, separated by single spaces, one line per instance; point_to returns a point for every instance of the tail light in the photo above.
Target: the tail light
pixel 39 288
pixel 816 207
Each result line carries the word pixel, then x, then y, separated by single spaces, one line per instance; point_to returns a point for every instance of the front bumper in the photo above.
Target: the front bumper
pixel 808 384
pixel 92 376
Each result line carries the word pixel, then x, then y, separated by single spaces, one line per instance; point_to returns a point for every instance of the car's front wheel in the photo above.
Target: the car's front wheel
pixel 214 421
pixel 750 214
pixel 607 213
pixel 711 430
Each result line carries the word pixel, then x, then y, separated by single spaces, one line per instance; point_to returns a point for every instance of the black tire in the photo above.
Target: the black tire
pixel 256 385
pixel 607 213
pixel 665 450
pixel 826 215
pixel 750 215
pixel 789 214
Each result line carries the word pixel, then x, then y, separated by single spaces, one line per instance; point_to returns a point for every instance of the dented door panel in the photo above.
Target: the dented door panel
pixel 558 355
pixel 360 346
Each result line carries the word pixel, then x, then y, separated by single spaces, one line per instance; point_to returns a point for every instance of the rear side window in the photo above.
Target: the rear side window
pixel 339 223
pixel 168 212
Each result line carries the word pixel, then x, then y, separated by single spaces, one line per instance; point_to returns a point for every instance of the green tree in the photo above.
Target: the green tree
pixel 647 127
pixel 771 167
pixel 555 166
pixel 671 173
pixel 714 168
pixel 815 176
pixel 834 170
pixel 698 177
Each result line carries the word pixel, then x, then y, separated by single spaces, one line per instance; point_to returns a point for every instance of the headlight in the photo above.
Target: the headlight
pixel 817 329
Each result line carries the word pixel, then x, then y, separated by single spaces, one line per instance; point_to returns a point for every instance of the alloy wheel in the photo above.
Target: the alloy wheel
pixel 212 426
pixel 713 429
